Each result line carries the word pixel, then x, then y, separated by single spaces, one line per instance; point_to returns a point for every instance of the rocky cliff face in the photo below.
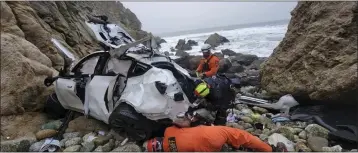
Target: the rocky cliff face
pixel 28 55
pixel 317 59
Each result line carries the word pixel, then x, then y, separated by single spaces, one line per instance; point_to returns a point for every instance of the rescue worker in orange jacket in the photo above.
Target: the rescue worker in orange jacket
pixel 204 139
pixel 209 65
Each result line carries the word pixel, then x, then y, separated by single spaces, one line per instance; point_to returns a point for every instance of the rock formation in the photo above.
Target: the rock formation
pixel 192 43
pixel 228 52
pixel 28 56
pixel 317 59
pixel 182 45
pixel 181 53
pixel 215 40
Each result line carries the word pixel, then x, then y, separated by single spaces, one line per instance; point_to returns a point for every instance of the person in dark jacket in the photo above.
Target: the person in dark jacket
pixel 218 93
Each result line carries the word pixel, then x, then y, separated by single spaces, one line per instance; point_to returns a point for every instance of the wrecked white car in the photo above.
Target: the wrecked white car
pixel 128 85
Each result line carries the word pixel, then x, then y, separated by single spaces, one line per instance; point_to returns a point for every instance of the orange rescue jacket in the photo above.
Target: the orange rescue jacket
pixel 213 65
pixel 210 139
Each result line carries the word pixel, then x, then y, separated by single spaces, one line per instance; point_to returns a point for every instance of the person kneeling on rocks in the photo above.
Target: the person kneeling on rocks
pixel 203 139
pixel 215 94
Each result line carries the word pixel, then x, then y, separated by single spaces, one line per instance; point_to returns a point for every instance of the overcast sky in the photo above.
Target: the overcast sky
pixel 162 17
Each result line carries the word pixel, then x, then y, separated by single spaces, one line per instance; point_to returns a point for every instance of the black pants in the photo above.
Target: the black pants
pixel 220 118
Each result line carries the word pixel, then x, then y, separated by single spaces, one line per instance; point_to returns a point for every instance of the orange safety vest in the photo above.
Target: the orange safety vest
pixel 209 66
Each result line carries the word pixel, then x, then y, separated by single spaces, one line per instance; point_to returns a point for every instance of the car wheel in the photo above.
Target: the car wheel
pixel 125 119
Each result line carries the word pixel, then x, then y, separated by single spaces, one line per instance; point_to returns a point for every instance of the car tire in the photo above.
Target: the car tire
pixel 124 119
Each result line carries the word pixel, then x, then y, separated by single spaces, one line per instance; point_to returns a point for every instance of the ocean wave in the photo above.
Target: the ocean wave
pixel 259 41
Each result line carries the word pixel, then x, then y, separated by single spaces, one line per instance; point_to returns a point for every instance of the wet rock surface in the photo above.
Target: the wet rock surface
pixel 215 40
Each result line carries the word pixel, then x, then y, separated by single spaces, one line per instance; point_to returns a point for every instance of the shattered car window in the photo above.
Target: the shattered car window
pixel 89 65
pixel 118 66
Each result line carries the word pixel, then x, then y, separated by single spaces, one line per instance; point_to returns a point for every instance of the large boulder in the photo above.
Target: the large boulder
pixel 83 124
pixel 159 40
pixel 244 59
pixel 236 68
pixel 216 40
pixel 219 55
pixel 181 53
pixel 36 31
pixel 256 65
pixel 192 43
pixel 249 77
pixel 317 59
pixel 19 126
pixel 181 45
pixel 189 62
pixel 23 69
pixel 8 21
pixel 228 52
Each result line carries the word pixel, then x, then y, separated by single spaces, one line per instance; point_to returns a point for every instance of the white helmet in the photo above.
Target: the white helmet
pixel 205 48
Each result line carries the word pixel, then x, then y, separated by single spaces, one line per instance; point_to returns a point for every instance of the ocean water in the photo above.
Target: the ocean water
pixel 259 40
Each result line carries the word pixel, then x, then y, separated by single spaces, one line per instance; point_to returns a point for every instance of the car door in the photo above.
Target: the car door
pixel 71 90
pixel 100 91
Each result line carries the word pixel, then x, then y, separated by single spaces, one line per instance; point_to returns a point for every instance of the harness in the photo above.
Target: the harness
pixel 206 66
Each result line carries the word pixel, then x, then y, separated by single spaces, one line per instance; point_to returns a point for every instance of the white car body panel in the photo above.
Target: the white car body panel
pixel 142 94
pixel 119 66
pixel 150 60
pixel 95 91
pixel 66 94
pixel 115 32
